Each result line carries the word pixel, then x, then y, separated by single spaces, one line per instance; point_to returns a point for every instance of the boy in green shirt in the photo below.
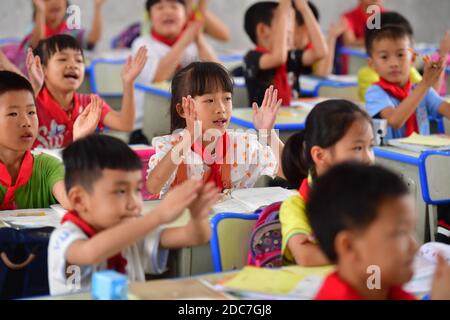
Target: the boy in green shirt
pixel 26 181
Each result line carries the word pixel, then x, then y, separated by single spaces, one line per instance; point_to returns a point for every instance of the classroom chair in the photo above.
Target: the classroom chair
pixel 435 184
pixel 105 80
pixel 230 240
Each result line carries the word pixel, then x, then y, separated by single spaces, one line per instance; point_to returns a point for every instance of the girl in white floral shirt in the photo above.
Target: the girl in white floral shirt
pixel 202 147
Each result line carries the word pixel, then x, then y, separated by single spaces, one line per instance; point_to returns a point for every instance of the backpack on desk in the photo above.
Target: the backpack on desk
pixel 23 262
pixel 265 239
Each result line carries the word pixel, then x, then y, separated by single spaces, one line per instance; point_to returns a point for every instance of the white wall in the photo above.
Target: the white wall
pixel 430 18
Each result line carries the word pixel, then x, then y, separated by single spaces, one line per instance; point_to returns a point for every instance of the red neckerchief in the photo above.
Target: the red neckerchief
pixel 401 94
pixel 49 32
pixel 334 288
pixel 280 80
pixel 25 172
pixel 216 165
pixel 165 40
pixel 304 190
pixel 117 262
pixel 45 100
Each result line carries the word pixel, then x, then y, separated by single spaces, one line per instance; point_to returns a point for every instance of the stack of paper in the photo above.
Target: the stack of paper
pixel 30 218
pixel 419 143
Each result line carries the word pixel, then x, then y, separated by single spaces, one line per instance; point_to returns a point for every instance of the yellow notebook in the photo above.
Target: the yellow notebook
pixel 429 141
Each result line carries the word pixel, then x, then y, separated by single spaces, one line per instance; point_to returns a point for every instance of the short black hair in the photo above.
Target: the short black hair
pixel 196 79
pixel 10 81
pixel 260 12
pixel 151 3
pixel 86 158
pixel 50 46
pixel 299 20
pixel 348 197
pixel 390 31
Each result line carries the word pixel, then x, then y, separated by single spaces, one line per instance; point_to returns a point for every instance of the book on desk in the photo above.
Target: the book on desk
pixel 419 143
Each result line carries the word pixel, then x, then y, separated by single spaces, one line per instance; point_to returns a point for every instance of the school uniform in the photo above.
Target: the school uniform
pixel 143 257
pixel 285 78
pixel 335 288
pixel 383 94
pixel 294 220
pixel 55 124
pixel 244 160
pixel 33 187
pixel 158 47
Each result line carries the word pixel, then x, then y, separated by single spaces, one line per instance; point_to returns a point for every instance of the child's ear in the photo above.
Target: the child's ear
pixel 370 62
pixel 320 157
pixel 78 200
pixel 180 110
pixel 344 245
pixel 261 31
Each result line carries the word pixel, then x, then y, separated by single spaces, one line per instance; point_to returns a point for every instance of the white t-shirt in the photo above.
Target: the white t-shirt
pixel 144 257
pixel 156 51
pixel 249 160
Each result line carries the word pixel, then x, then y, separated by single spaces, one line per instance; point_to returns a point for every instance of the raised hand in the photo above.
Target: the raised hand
pixel 40 5
pixel 35 71
pixel 99 3
pixel 432 70
pixel 444 47
pixel 134 66
pixel 208 196
pixel 265 117
pixel 87 121
pixel 178 199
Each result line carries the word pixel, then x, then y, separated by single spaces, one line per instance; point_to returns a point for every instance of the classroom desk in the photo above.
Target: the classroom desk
pixel 358 56
pixel 406 164
pixel 336 86
pixel 289 120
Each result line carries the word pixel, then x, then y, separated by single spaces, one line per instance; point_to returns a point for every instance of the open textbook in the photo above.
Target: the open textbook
pixel 250 200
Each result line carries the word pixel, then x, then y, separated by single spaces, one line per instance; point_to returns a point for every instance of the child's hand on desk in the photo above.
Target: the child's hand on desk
pixel 265 117
pixel 178 199
pixel 35 71
pixel 440 289
pixel 87 122
pixel 201 207
pixel 432 70
pixel 133 67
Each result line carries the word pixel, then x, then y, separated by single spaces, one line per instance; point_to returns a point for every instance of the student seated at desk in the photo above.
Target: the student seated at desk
pixel 405 107
pixel 27 181
pixel 56 82
pixel 367 76
pixel 195 11
pixel 50 19
pixel 364 219
pixel 173 43
pixel 106 230
pixel 201 146
pixel 336 131
pixel 270 25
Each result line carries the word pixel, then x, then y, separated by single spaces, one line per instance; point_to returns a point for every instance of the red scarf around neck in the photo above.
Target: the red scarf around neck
pixel 165 40
pixel 49 32
pixel 400 93
pixel 25 173
pixel 280 80
pixel 215 165
pixel 304 190
pixel 117 262
pixel 46 100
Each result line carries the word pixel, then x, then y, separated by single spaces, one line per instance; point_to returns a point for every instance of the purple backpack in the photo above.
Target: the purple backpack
pixel 265 239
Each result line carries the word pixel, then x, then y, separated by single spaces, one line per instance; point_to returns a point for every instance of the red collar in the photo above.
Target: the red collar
pixel 334 288
pixel 46 100
pixel 304 190
pixel 49 32
pixel 165 40
pixel 25 173
pixel 216 164
pixel 117 262
pixel 401 94
pixel 280 80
